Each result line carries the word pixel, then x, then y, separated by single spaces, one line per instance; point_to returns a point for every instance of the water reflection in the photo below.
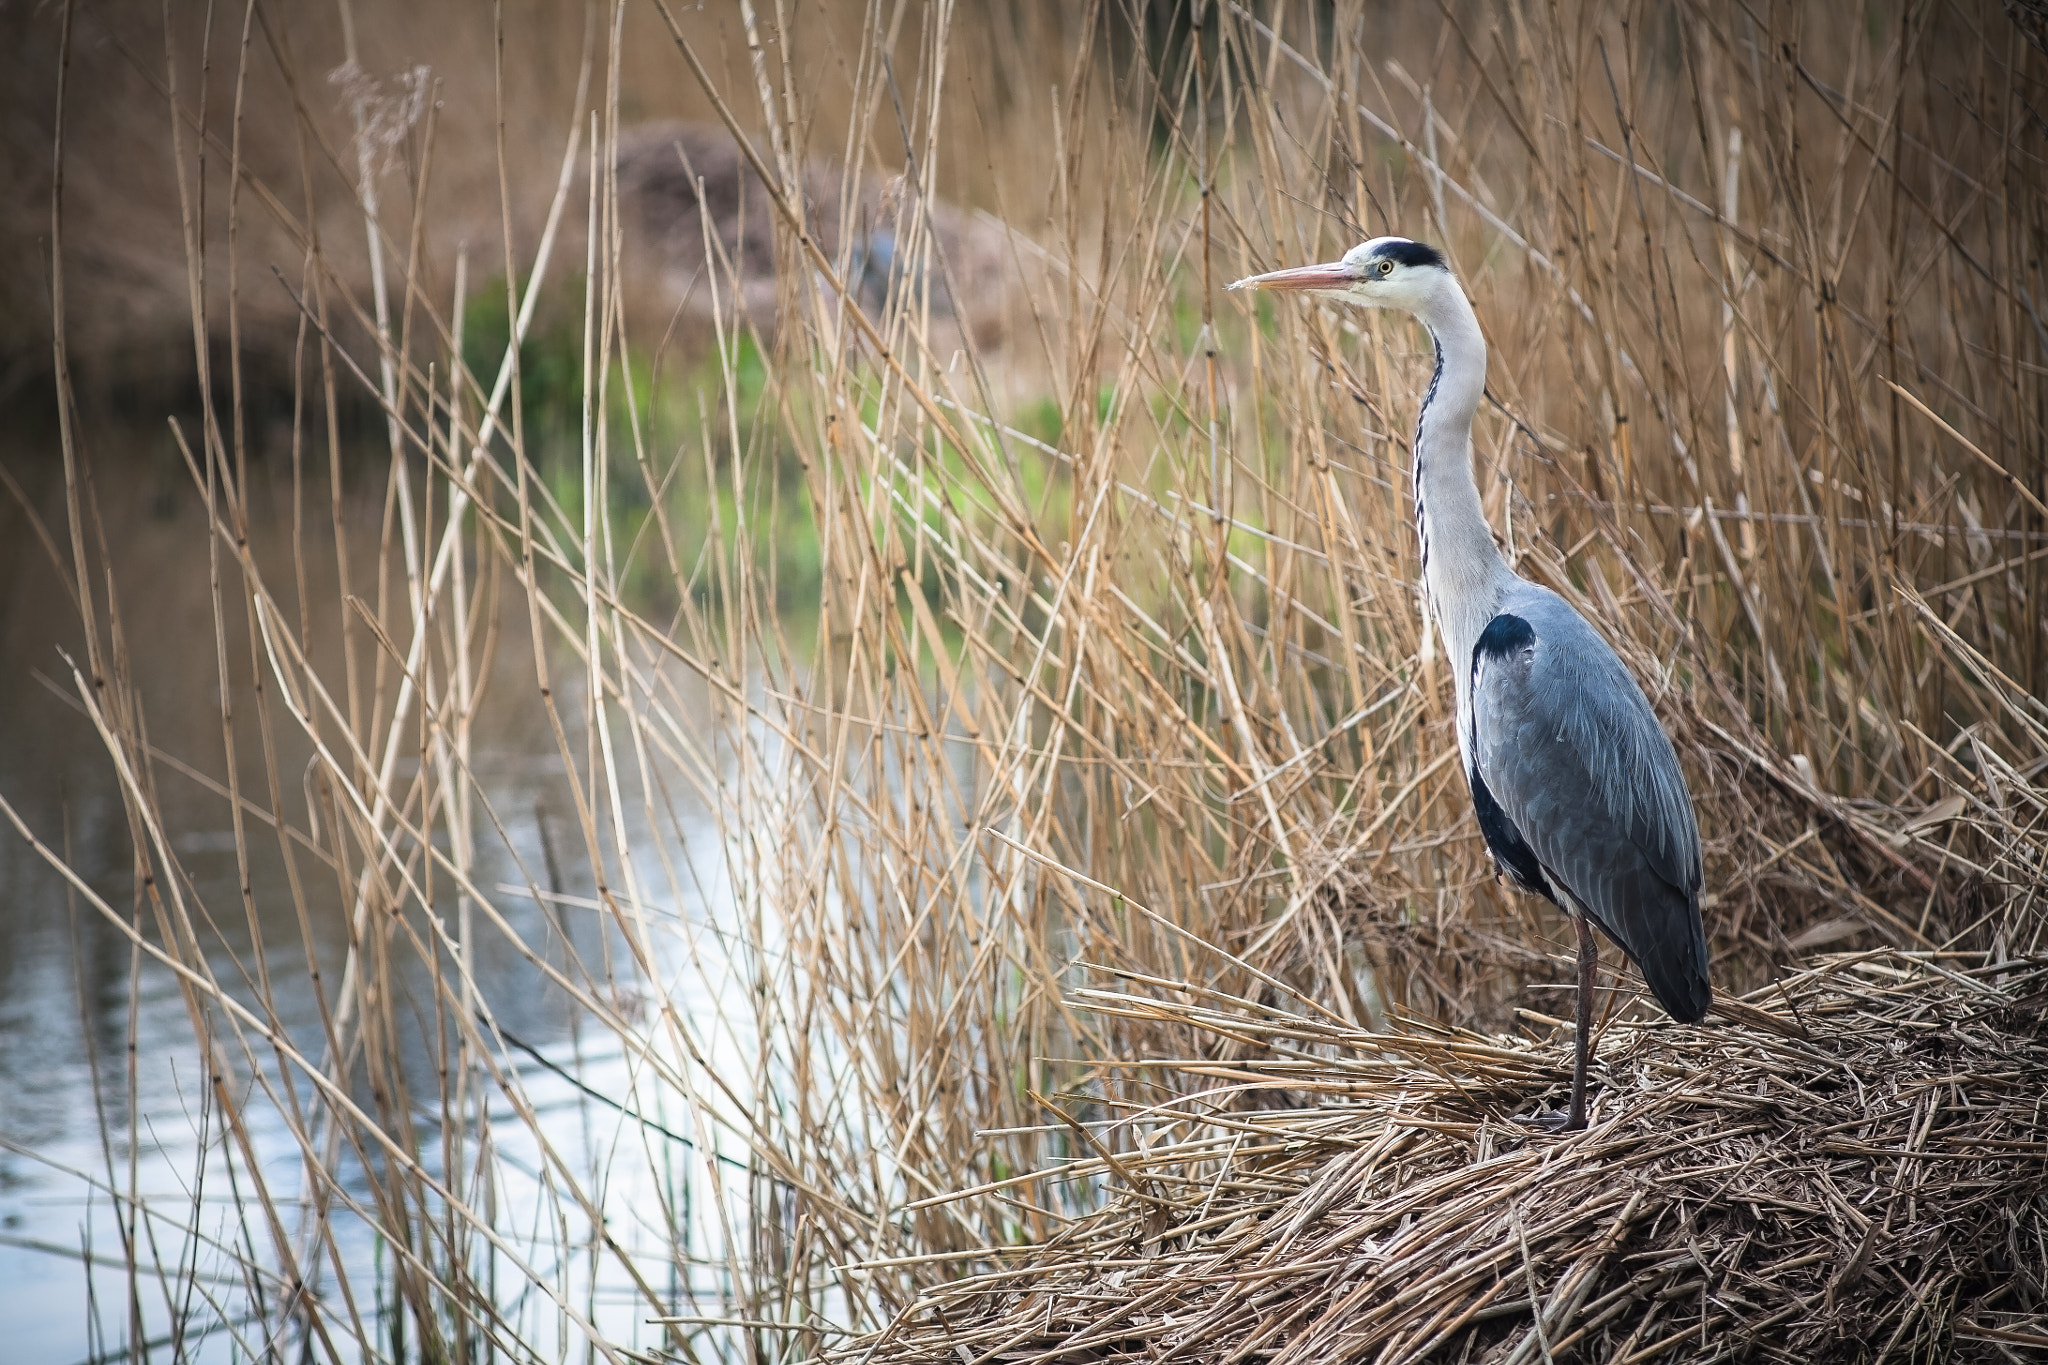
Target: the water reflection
pixel 102 1086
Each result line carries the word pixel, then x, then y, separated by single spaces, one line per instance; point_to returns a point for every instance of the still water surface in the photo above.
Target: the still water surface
pixel 74 992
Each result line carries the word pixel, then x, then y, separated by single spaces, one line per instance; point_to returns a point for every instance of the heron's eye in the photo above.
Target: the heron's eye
pixel 1386 267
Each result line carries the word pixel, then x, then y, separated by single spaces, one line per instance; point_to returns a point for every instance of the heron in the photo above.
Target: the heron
pixel 1575 785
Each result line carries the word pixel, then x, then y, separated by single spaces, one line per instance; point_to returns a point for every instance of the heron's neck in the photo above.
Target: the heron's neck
pixel 1463 575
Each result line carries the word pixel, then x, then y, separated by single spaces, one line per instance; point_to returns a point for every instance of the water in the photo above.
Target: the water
pixel 83 1135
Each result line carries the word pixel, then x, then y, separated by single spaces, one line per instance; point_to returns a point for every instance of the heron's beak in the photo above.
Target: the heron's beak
pixel 1332 275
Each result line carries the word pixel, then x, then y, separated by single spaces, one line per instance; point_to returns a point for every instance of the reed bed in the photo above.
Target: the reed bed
pixel 1844 1165
pixel 890 695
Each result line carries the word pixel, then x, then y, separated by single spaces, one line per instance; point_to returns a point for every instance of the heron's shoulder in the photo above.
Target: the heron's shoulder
pixel 1543 609
pixel 1528 614
pixel 1539 644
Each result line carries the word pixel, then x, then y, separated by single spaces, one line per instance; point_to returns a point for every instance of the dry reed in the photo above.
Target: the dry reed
pixel 1846 1165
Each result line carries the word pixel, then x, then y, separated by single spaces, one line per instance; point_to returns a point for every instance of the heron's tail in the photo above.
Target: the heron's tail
pixel 1676 967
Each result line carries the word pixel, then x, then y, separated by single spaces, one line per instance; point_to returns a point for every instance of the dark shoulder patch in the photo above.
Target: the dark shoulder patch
pixel 1504 635
pixel 1404 252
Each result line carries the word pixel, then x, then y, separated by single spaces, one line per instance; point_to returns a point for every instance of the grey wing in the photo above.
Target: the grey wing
pixel 1569 749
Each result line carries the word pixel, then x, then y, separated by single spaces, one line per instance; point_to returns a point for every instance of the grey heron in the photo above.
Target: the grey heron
pixel 1576 787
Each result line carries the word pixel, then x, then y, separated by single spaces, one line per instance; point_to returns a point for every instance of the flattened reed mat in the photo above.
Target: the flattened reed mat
pixel 1847 1165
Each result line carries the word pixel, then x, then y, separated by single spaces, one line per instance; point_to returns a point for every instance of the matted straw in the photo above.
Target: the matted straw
pixel 1848 1164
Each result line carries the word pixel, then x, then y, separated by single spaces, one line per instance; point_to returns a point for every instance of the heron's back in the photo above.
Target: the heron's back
pixel 1571 752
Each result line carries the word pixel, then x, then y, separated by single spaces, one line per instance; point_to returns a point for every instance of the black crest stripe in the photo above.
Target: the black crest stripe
pixel 1401 251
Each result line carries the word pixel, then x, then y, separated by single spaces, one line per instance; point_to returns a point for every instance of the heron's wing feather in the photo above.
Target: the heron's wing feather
pixel 1570 750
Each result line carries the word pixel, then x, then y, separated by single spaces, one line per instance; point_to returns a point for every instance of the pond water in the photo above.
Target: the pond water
pixel 94 1149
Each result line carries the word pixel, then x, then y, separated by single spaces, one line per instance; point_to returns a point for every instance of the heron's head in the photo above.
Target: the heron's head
pixel 1386 272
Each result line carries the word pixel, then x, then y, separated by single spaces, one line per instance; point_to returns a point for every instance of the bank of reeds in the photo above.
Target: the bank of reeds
pixel 1141 693
pixel 1846 1165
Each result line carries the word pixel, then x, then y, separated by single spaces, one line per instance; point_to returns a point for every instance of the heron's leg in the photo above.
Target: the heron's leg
pixel 1589 966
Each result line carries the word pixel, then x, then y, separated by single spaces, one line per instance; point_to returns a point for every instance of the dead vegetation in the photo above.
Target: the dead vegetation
pixel 1126 683
pixel 1845 1166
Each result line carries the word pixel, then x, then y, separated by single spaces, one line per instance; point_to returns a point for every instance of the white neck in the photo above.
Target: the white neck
pixel 1463 574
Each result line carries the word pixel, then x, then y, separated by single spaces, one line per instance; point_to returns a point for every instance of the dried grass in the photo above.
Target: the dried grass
pixel 1846 1165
